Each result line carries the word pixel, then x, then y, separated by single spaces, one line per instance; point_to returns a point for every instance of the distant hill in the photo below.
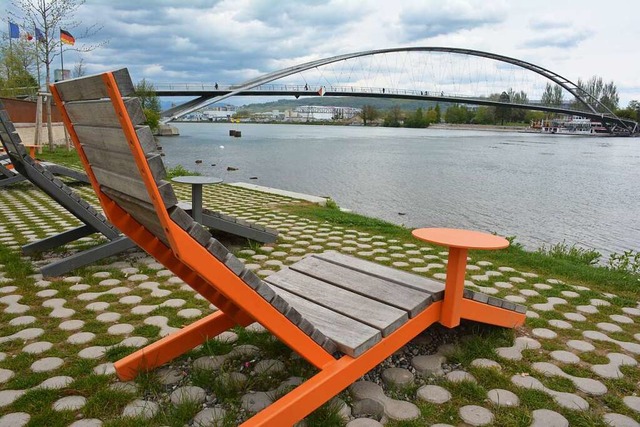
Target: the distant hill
pixel 339 101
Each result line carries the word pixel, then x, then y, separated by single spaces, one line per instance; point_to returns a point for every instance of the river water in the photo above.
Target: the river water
pixel 543 189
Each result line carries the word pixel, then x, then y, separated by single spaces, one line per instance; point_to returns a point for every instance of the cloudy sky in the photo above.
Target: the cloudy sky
pixel 233 40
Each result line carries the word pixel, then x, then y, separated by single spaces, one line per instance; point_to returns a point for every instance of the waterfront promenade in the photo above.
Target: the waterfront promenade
pixel 574 363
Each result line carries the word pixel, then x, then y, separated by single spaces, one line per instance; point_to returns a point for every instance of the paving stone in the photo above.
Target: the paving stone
pixel 459 376
pixel 544 333
pixel 209 417
pixel 47 364
pixel 98 306
pixel 55 383
pixel 619 420
pixel 611 369
pixel 500 397
pixel 550 304
pixel 608 327
pixel 89 422
pixel 255 401
pixel 429 365
pixel 130 300
pixel 433 394
pixel 7 397
pixel 579 345
pixel 393 409
pixel 144 409
pixel 570 294
pixel 81 338
pixel 120 329
pixel 69 403
pixel 108 317
pixel 228 337
pixel 599 336
pixel 486 363
pixel 94 352
pixel 476 415
pixel 564 356
pixel 566 400
pixel 37 347
pixel 621 319
pixel 268 367
pixel 186 394
pixel 515 352
pixel 585 385
pixel 189 313
pixel 6 375
pixel 22 320
pixel 397 377
pixel 633 402
pixel 575 317
pixel 600 302
pixel 105 369
pixel 588 309
pixel 548 418
pixel 560 324
pixel 15 419
pixel 631 311
pixel 169 375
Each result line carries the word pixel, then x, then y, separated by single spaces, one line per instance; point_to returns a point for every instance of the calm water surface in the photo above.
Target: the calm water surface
pixel 541 188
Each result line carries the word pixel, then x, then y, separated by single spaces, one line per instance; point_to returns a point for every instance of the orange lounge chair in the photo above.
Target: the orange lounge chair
pixel 342 314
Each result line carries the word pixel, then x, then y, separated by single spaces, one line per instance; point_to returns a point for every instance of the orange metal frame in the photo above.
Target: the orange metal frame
pixel 238 303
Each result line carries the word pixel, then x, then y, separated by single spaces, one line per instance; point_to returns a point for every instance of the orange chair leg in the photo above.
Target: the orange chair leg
pixel 172 345
pixel 454 287
pixel 482 312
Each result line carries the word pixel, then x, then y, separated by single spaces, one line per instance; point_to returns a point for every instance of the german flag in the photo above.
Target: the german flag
pixel 66 37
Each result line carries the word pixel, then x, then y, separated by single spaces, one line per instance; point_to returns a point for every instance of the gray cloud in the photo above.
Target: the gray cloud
pixel 563 40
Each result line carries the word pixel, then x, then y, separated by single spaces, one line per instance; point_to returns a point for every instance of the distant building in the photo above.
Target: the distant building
pixel 323 113
pixel 219 113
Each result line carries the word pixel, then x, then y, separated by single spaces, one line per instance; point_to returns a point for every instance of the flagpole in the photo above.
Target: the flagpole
pixel 61 62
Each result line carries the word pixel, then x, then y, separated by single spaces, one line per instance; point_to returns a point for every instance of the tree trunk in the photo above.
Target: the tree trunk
pixel 38 129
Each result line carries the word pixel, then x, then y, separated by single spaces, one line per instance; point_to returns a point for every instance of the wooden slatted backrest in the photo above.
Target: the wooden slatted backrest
pixel 105 146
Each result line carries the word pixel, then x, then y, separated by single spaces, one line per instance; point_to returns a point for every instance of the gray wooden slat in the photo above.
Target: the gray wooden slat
pixel 93 87
pixel 123 163
pixel 520 308
pixel 402 297
pixel 142 212
pixel 352 337
pixel 101 112
pixel 134 186
pixel 358 307
pixel 112 138
pixel 402 277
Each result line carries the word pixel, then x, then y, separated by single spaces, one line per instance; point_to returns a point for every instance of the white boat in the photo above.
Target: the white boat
pixel 574 125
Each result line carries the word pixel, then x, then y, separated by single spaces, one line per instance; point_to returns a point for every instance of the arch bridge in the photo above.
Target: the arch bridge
pixel 441 74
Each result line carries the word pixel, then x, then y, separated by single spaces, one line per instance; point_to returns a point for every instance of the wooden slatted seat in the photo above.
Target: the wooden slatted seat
pixel 342 314
pixel 94 222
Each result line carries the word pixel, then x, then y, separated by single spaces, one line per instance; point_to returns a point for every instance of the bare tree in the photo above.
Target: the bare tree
pixel 79 69
pixel 48 16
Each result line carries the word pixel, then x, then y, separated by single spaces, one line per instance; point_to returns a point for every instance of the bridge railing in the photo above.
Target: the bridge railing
pixel 199 88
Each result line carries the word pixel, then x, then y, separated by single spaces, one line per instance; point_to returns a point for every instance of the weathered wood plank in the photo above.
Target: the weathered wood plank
pixel 142 212
pixel 101 112
pixel 123 163
pixel 352 337
pixel 358 307
pixel 398 276
pixel 112 138
pixel 389 293
pixel 92 87
pixel 134 186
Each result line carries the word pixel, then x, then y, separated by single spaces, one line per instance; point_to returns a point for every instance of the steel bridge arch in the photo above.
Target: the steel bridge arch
pixel 561 81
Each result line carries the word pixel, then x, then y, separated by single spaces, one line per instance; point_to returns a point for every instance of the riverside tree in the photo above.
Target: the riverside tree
pixel 150 103
pixel 16 62
pixel 49 16
pixel 369 113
